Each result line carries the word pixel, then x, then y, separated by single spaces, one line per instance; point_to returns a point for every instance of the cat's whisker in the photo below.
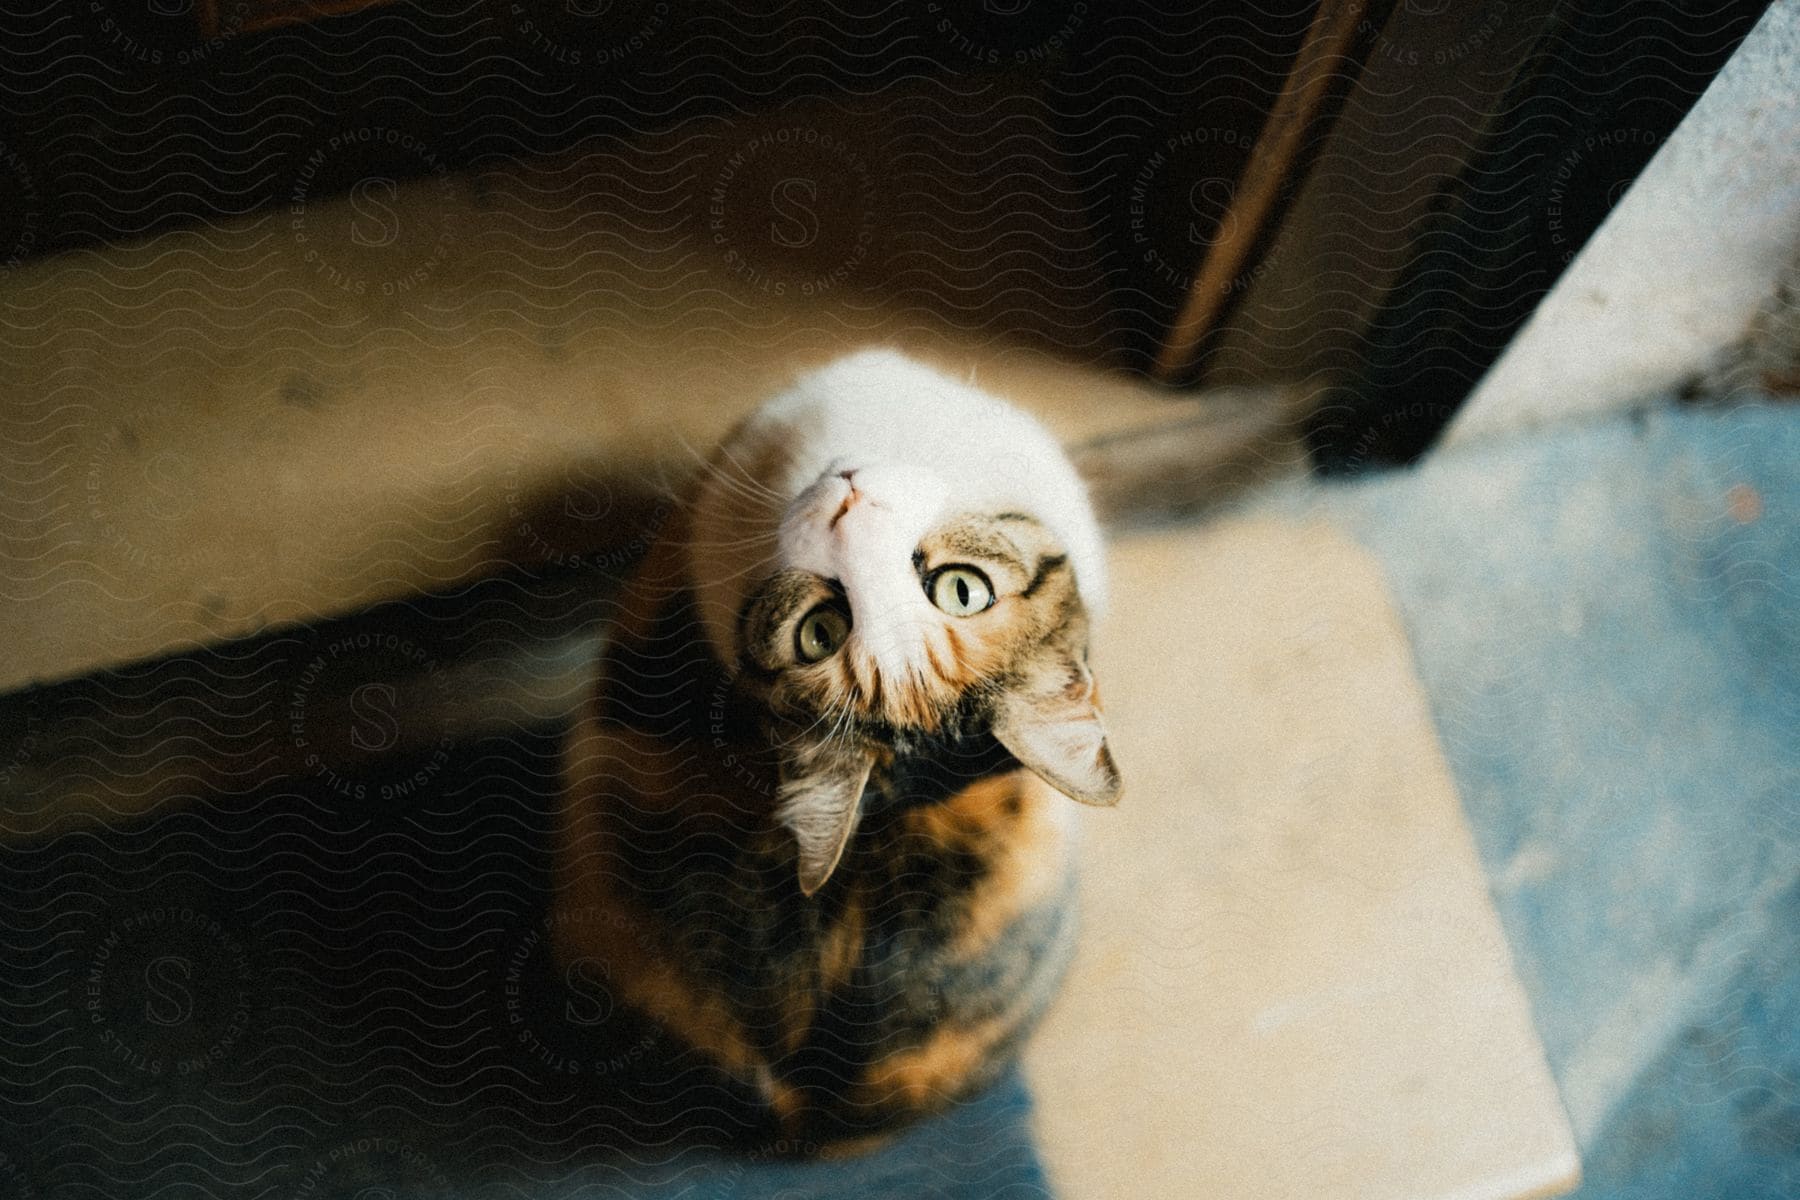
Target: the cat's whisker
pixel 750 479
pixel 821 718
pixel 704 460
pixel 751 497
pixel 744 489
pixel 863 682
pixel 755 539
pixel 709 469
pixel 749 571
pixel 743 483
pixel 839 731
pixel 757 567
pixel 840 714
pixel 830 735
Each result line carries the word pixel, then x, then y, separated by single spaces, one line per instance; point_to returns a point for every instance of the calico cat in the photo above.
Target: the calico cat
pixel 815 826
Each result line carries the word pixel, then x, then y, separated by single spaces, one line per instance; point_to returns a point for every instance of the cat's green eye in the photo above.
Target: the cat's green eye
pixel 820 633
pixel 960 591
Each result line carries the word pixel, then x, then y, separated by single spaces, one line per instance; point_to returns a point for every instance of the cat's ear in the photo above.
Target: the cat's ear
pixel 821 802
pixel 1051 723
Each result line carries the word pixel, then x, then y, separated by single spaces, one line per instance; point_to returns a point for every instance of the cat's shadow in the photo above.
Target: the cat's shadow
pixel 589 517
pixel 342 982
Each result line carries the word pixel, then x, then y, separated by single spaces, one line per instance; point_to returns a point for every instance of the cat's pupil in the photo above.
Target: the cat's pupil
pixel 962 591
pixel 821 632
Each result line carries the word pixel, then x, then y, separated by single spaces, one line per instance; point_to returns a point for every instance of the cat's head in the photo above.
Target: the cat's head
pixel 884 553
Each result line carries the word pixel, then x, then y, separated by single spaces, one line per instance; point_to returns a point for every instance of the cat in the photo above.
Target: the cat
pixel 816 826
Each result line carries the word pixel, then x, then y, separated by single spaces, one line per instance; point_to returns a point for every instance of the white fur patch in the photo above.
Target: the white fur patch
pixel 920 445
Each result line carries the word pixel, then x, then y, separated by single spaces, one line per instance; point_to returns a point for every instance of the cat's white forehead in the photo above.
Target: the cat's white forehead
pixel 875 407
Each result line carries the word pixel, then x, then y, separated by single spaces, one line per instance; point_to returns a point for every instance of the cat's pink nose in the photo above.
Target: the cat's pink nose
pixel 850 498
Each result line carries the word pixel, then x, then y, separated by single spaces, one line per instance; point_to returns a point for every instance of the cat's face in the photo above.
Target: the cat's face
pixel 892 610
pixel 885 550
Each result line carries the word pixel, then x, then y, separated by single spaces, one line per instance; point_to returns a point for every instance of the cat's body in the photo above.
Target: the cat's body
pixel 800 834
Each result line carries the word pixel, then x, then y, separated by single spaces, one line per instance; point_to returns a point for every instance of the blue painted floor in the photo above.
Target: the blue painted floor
pixel 1606 618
